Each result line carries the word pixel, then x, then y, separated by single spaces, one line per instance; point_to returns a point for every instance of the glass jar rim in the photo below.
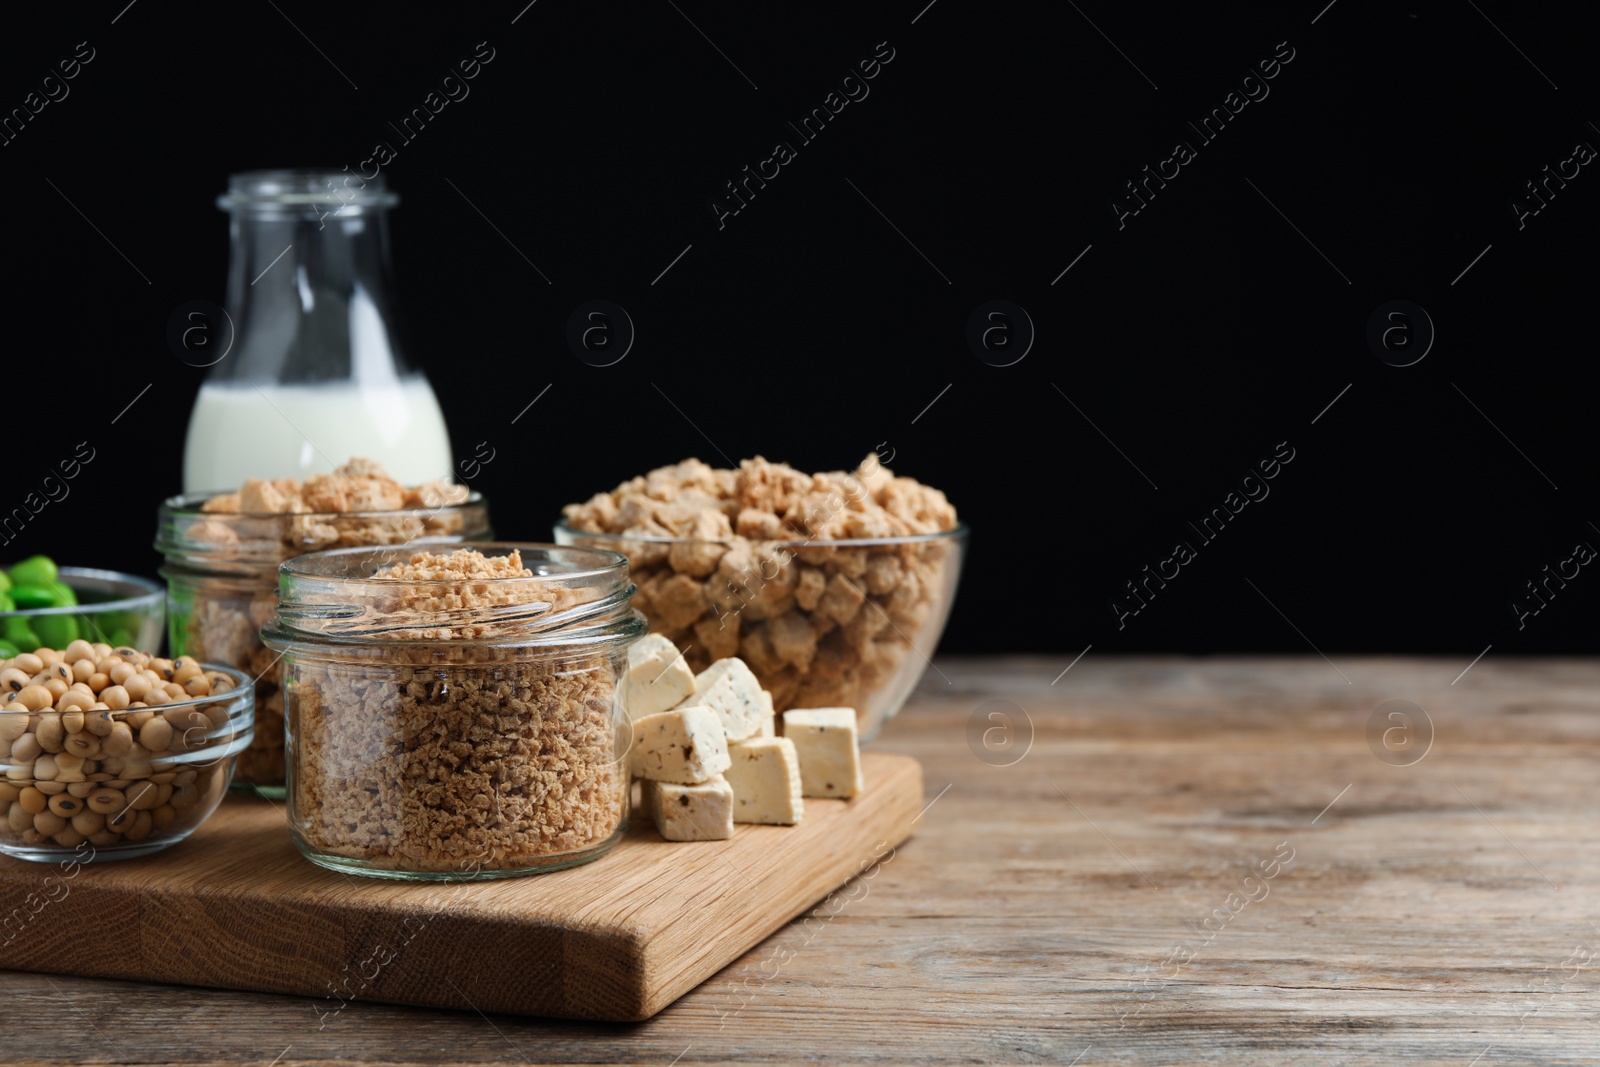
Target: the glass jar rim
pixel 575 597
pixel 956 533
pixel 190 505
pixel 153 593
pixel 265 549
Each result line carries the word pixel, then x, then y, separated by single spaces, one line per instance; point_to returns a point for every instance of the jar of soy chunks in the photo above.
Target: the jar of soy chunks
pixel 456 712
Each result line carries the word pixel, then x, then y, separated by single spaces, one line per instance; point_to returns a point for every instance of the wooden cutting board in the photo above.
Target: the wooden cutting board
pixel 236 906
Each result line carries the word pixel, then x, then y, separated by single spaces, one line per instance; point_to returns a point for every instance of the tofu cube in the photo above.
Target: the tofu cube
pixel 684 745
pixel 765 776
pixel 701 812
pixel 729 688
pixel 658 678
pixel 825 741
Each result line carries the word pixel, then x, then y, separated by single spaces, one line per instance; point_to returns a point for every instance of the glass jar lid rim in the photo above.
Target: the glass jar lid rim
pixel 260 541
pixel 958 532
pixel 573 596
pixel 191 506
pixel 567 563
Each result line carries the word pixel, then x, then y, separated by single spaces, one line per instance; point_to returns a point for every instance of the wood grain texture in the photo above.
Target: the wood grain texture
pixel 1416 923
pixel 620 938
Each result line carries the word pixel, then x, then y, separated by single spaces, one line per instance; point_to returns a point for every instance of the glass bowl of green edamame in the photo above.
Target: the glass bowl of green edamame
pixel 42 604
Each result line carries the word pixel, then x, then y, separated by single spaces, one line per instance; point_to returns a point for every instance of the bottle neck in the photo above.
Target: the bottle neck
pixel 309 293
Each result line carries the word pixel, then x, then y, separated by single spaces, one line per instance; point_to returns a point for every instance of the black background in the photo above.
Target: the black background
pixel 808 329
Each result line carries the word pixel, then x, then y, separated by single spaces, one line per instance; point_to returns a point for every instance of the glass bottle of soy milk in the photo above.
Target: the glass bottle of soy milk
pixel 315 374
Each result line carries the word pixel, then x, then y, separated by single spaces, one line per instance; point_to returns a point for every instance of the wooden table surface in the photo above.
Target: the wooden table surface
pixel 1185 861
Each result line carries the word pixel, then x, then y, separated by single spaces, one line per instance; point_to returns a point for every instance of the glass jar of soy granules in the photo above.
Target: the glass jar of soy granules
pixel 455 714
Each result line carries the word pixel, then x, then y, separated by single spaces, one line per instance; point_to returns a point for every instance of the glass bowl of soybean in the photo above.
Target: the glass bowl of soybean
pixel 84 779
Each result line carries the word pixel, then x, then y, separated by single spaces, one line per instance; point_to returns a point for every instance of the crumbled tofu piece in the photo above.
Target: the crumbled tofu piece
pixel 658 678
pixel 875 476
pixel 765 776
pixel 729 688
pixel 680 600
pixel 259 497
pixel 825 741
pixel 718 637
pixel 808 590
pixel 699 557
pixel 684 745
pixel 841 599
pixel 793 639
pixel 701 812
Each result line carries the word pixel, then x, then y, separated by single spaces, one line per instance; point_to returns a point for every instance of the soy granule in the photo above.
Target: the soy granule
pixel 422 767
pixel 453 750
pixel 453 596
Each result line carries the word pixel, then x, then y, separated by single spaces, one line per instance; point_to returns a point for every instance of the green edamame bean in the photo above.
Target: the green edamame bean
pixel 9 651
pixel 19 633
pixel 35 570
pixel 29 585
pixel 56 631
pixel 29 597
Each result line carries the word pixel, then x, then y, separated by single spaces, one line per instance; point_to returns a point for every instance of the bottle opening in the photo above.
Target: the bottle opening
pixel 313 191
